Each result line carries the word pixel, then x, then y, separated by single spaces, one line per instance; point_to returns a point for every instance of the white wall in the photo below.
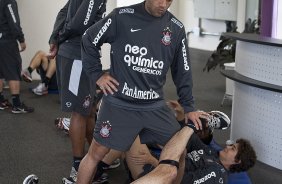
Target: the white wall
pixel 127 2
pixel 37 20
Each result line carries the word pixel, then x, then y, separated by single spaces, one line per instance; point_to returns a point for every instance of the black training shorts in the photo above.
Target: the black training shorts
pixel 76 92
pixel 117 127
pixel 10 61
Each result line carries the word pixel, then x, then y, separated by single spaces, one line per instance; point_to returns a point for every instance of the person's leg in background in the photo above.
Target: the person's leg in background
pixel 11 64
pixel 51 68
pixel 77 98
pixel 45 68
pixel 47 72
pixel 4 103
pixel 111 160
pixel 39 59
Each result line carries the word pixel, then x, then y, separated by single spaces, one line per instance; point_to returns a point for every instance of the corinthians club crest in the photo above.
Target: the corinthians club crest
pixel 105 129
pixel 86 102
pixel 166 40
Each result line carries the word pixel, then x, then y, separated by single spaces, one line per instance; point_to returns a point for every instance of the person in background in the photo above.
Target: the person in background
pixel 76 91
pixel 203 163
pixel 11 36
pixel 46 68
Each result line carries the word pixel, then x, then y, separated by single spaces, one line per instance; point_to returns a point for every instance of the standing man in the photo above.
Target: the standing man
pixel 146 40
pixel 76 92
pixel 10 59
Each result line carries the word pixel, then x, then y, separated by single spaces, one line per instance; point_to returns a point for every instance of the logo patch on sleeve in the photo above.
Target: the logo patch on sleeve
pixel 126 10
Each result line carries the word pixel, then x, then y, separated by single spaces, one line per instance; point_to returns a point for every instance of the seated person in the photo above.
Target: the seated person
pixel 46 68
pixel 203 163
pixel 201 160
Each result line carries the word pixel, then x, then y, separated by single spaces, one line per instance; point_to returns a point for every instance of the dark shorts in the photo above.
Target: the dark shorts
pixel 53 81
pixel 10 61
pixel 117 128
pixel 76 92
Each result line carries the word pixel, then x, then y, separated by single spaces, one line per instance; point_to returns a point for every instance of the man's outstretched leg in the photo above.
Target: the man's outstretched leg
pixel 88 165
pixel 166 171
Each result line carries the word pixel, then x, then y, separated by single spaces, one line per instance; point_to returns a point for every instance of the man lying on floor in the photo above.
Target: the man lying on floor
pixel 203 164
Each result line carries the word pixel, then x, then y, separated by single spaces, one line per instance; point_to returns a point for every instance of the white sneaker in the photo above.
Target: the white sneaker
pixel 218 120
pixel 31 179
pixel 63 123
pixel 26 76
pixel 72 178
pixel 41 89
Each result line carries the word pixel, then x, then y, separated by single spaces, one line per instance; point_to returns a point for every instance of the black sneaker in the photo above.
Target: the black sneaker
pixel 5 104
pixel 72 178
pixel 217 120
pixel 102 179
pixel 114 165
pixel 31 179
pixel 68 180
pixel 22 109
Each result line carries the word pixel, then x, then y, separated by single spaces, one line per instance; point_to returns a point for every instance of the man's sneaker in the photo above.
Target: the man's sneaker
pixel 26 75
pixel 218 120
pixel 114 165
pixel 22 109
pixel 5 104
pixel 41 89
pixel 63 124
pixel 102 179
pixel 72 178
pixel 31 179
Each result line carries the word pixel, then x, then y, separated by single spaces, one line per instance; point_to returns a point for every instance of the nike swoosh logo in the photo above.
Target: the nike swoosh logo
pixel 134 30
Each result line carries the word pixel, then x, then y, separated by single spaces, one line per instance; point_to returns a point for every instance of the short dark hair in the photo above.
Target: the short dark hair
pixel 246 156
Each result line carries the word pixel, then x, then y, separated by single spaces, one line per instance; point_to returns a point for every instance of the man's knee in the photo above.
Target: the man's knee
pixel 40 53
pixel 97 151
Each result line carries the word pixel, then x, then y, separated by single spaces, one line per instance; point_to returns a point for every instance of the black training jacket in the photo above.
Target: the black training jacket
pixel 72 21
pixel 143 48
pixel 202 164
pixel 10 28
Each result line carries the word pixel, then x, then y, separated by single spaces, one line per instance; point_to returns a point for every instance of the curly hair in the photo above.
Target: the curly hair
pixel 246 157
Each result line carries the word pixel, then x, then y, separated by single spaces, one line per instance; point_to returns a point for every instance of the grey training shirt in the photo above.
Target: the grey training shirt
pixel 143 48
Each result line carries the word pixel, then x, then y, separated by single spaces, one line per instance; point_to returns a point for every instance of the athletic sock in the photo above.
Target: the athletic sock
pixel 30 69
pixel 46 81
pixel 16 100
pixel 103 164
pixel 76 162
pixel 99 171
